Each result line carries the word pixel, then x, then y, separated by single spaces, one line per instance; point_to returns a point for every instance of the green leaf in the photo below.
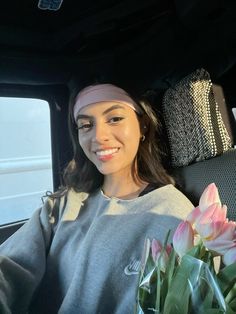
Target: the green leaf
pixel 227 278
pixel 231 296
pixel 170 268
pixel 214 311
pixel 229 309
pixel 167 278
pixel 177 299
pixel 205 302
pixel 232 305
pixel 193 287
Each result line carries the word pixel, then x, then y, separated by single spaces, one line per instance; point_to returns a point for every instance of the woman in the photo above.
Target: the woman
pixel 81 253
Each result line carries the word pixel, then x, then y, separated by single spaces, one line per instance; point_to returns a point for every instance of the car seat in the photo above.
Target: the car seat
pixel 200 163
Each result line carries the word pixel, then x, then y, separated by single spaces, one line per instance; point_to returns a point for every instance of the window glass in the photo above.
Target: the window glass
pixel 234 113
pixel 25 157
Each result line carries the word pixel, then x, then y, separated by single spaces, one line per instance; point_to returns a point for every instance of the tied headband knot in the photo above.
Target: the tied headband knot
pixel 103 92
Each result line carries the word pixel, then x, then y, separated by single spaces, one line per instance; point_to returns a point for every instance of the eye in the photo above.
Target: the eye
pixel 115 119
pixel 85 126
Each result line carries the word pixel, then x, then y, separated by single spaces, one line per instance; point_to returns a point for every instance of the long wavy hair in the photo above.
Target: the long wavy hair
pixel 82 175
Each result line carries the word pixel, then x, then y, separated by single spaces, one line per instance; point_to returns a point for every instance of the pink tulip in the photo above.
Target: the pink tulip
pixel 224 240
pixel 230 256
pixel 158 254
pixel 210 222
pixel 156 249
pixel 183 238
pixel 209 196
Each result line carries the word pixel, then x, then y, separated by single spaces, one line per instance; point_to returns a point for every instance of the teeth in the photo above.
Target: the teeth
pixel 107 152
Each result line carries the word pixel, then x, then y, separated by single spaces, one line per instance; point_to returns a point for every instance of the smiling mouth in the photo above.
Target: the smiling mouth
pixel 107 152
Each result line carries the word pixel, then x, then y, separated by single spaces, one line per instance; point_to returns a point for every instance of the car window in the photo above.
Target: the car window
pixel 25 157
pixel 234 113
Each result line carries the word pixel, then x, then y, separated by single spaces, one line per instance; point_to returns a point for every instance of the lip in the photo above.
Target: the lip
pixel 104 148
pixel 107 156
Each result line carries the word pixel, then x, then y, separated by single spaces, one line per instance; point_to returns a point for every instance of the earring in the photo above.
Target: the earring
pixel 143 138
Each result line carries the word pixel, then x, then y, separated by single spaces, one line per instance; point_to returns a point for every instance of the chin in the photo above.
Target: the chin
pixel 107 170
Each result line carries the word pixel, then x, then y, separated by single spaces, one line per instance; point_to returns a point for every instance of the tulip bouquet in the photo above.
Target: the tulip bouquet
pixel 197 274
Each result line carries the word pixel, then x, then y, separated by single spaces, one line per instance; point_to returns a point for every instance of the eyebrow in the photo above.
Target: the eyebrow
pixel 84 116
pixel 112 108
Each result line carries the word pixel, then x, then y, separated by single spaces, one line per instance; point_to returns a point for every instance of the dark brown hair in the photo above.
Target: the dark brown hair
pixel 82 175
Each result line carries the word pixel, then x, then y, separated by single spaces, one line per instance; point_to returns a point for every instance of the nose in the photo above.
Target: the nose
pixel 100 133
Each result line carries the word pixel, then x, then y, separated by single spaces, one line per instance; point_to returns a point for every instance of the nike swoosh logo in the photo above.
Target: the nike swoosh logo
pixel 133 268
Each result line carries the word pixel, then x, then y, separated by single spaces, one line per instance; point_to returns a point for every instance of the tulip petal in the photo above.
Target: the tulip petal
pixel 224 240
pixel 210 223
pixel 220 246
pixel 183 238
pixel 158 254
pixel 209 196
pixel 227 231
pixel 156 249
pixel 230 256
pixel 194 215
pixel 168 249
pixel 163 261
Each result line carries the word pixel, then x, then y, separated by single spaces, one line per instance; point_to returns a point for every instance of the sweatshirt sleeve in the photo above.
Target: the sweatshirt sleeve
pixel 23 260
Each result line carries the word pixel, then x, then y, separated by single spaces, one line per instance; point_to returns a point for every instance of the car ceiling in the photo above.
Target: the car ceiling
pixel 147 44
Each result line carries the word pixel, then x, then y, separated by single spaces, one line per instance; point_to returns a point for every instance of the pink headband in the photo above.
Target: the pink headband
pixel 102 92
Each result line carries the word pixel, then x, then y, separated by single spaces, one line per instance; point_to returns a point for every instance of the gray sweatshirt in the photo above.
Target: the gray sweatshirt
pixel 82 253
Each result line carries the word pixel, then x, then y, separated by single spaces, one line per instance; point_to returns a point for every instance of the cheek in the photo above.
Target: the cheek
pixel 80 141
pixel 132 131
pixel 83 143
pixel 131 136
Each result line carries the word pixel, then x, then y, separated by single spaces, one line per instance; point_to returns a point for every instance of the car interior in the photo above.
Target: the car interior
pixel 50 46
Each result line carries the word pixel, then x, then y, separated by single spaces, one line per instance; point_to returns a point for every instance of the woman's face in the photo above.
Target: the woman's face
pixel 109 134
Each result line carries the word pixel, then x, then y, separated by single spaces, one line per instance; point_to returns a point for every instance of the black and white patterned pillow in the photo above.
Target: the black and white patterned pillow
pixel 194 124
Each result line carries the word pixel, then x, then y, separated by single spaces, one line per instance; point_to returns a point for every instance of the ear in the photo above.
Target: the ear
pixel 144 124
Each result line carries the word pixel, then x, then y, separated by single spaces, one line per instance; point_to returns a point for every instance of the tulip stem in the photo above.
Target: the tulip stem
pixel 159 283
pixel 158 295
